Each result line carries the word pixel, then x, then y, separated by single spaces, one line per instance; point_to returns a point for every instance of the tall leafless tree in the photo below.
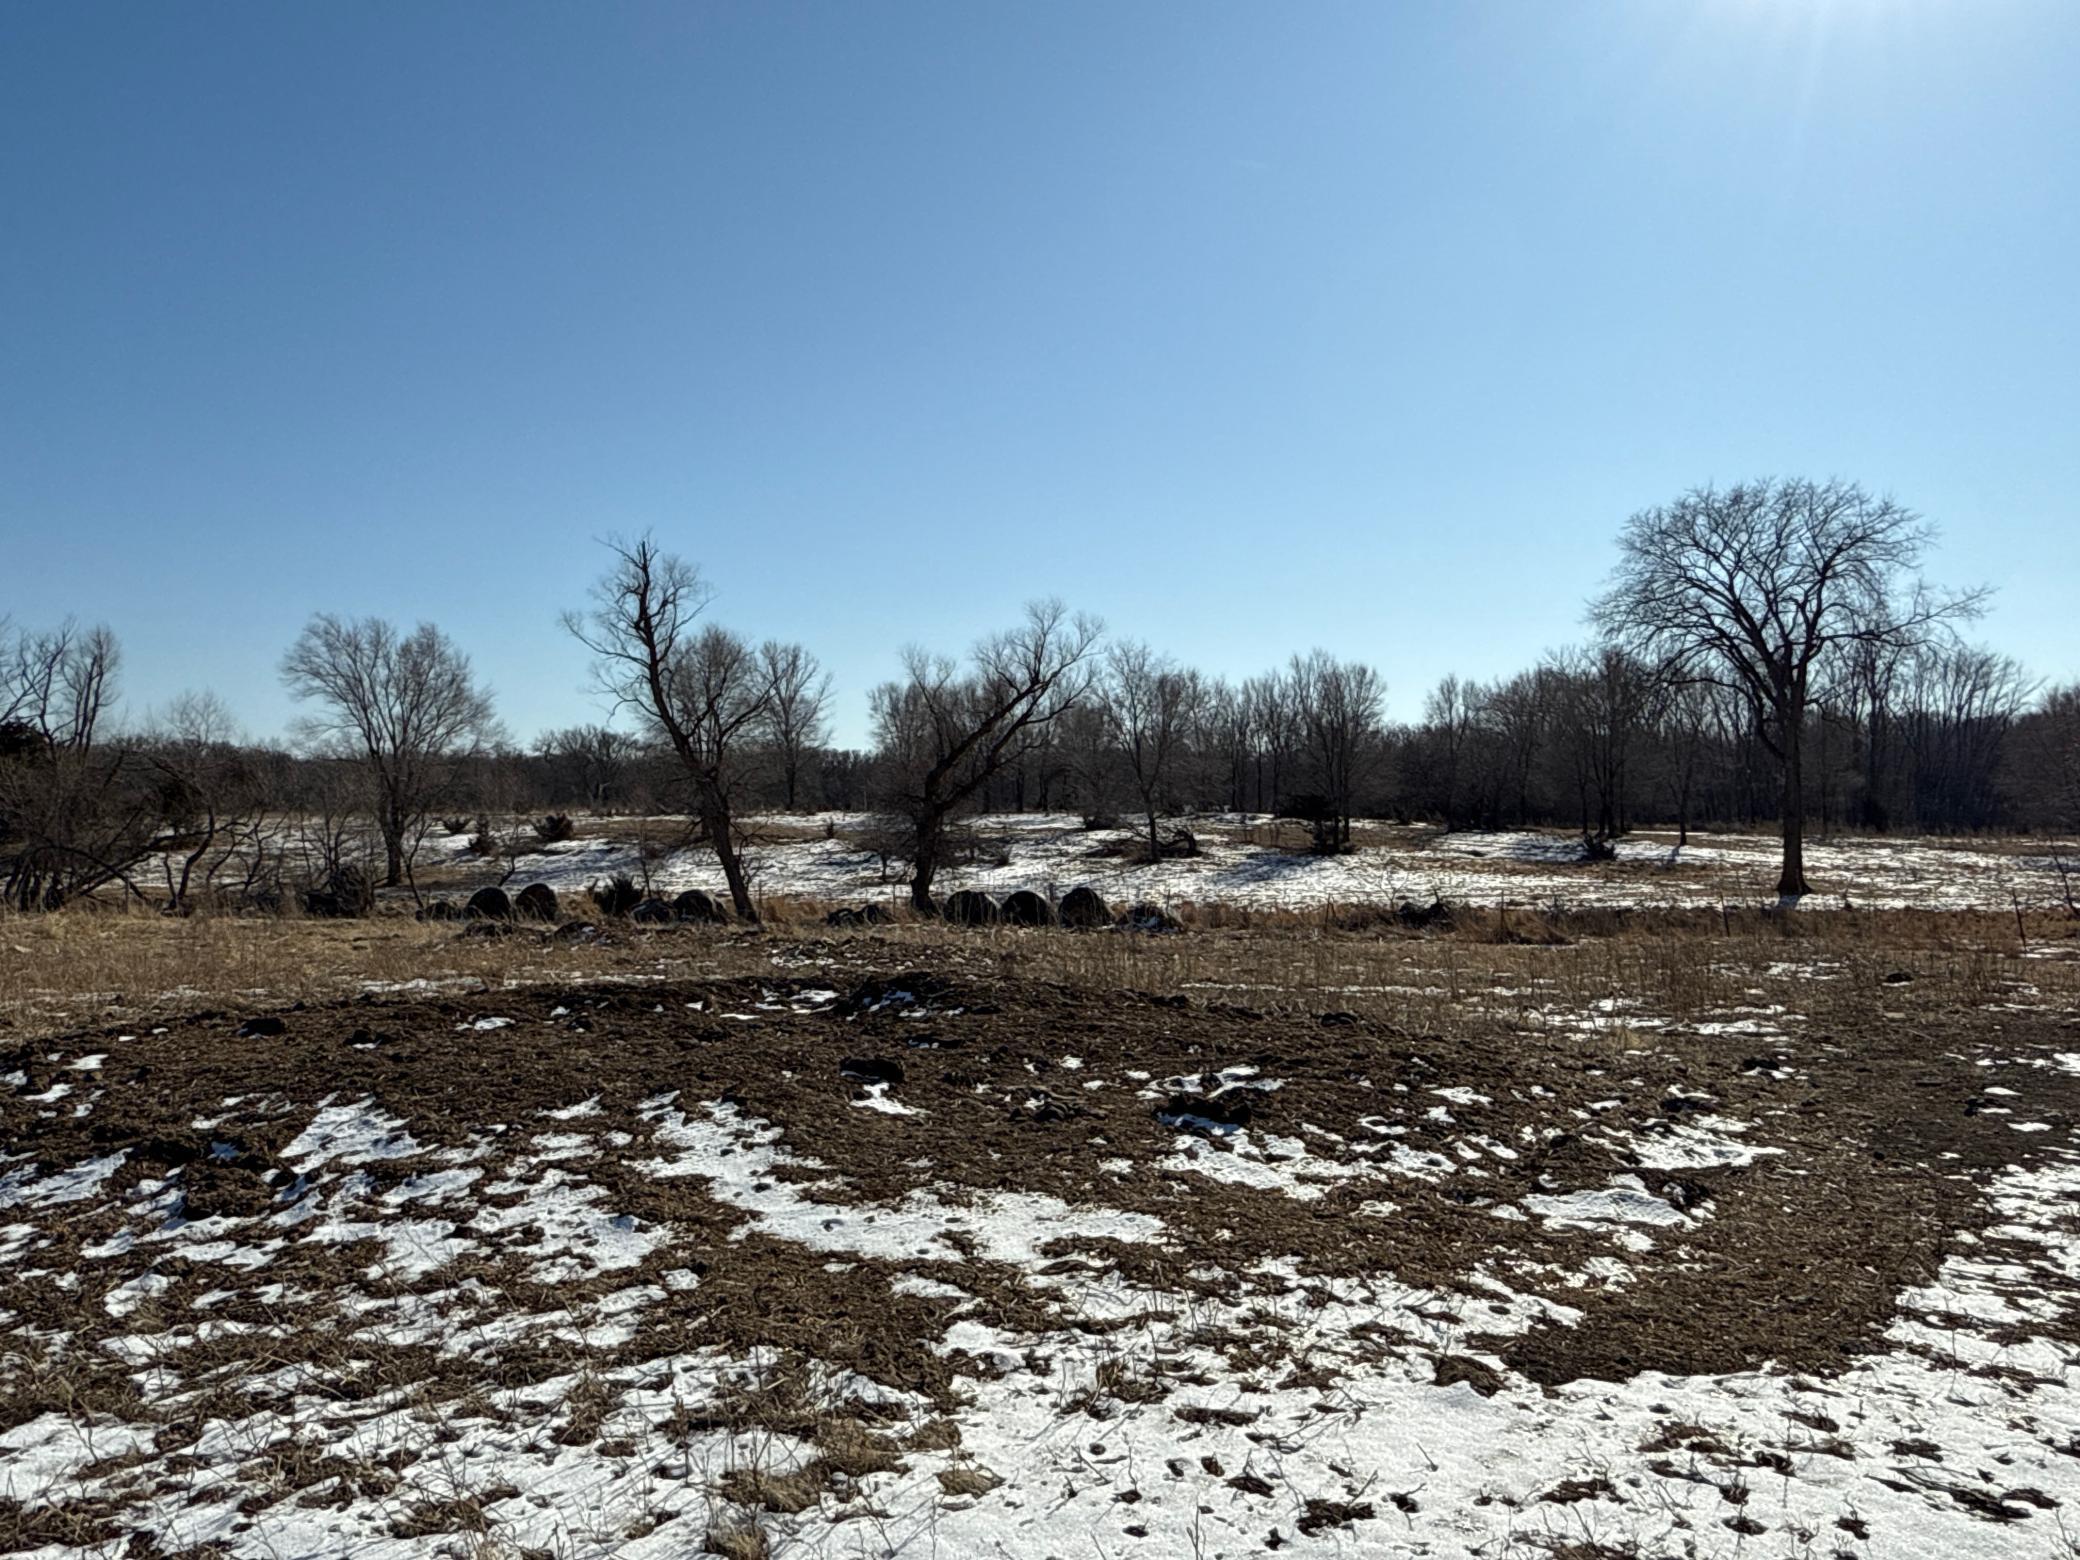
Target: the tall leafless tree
pixel 406 706
pixel 1338 705
pixel 1150 704
pixel 943 732
pixel 1756 586
pixel 704 692
pixel 797 719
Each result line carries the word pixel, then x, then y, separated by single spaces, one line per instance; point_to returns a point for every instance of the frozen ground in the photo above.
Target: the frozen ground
pixel 896 1264
pixel 1048 852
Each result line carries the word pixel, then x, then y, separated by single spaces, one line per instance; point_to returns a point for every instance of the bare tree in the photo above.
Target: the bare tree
pixel 1150 703
pixel 943 733
pixel 405 705
pixel 1607 698
pixel 1338 706
pixel 77 811
pixel 595 757
pixel 55 686
pixel 797 719
pixel 216 795
pixel 702 690
pixel 1756 586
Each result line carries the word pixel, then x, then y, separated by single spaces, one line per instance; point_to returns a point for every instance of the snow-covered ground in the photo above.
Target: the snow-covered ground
pixel 1051 854
pixel 1126 1418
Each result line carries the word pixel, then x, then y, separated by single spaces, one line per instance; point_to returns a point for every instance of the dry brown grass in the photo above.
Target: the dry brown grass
pixel 91 965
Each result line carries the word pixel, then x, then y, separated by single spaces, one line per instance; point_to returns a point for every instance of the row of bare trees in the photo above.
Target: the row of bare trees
pixel 1767 652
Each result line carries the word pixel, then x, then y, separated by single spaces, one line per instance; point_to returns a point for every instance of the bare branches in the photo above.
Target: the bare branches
pixel 1759 586
pixel 408 706
pixel 945 733
pixel 701 689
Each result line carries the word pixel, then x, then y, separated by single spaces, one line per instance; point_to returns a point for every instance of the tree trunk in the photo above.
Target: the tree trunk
pixel 1155 844
pixel 1792 880
pixel 925 866
pixel 716 820
pixel 393 852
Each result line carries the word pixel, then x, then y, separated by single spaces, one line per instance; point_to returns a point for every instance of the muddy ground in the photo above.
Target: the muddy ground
pixel 1796 1171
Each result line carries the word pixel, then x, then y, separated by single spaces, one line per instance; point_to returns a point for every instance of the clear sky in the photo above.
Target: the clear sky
pixel 1249 327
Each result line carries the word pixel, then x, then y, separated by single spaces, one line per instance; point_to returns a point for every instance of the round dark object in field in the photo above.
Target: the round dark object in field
pixel 490 904
pixel 439 910
pixel 1146 917
pixel 693 905
pixel 870 1069
pixel 1084 907
pixel 1026 908
pixel 970 907
pixel 537 902
pixel 267 1024
pixel 652 912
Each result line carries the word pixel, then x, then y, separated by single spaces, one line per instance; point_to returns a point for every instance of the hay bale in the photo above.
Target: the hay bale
pixel 537 902
pixel 489 904
pixel 1026 908
pixel 616 897
pixel 694 905
pixel 1083 907
pixel 971 907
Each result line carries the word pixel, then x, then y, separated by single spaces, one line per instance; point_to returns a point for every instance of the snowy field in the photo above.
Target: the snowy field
pixel 1050 853
pixel 854 1260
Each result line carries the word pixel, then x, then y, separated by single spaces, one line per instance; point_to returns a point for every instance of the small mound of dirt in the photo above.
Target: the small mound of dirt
pixel 870 1069
pixel 894 993
pixel 1209 1112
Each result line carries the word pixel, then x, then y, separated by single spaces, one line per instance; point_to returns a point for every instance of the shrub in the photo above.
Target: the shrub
pixel 617 896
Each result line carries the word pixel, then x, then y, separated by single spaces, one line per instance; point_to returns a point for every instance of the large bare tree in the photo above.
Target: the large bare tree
pixel 1759 586
pixel 406 706
pixel 944 731
pixel 703 691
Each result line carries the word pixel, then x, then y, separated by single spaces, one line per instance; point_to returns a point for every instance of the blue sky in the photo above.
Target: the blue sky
pixel 1247 327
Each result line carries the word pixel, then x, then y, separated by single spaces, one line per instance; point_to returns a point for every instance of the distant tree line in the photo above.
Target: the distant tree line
pixel 1765 656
